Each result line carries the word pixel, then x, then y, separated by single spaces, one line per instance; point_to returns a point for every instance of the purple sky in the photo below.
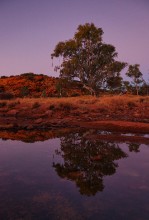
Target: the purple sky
pixel 30 29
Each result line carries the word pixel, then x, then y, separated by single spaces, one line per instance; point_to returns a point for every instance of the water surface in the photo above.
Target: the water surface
pixel 73 177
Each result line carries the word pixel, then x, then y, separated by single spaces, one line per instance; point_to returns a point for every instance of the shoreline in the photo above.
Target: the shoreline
pixel 105 125
pixel 116 114
pixel 111 131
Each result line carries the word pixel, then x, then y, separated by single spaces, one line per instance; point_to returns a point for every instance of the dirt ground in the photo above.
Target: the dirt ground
pixel 118 114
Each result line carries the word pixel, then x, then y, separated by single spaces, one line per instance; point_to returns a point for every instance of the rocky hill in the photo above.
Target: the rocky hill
pixel 33 85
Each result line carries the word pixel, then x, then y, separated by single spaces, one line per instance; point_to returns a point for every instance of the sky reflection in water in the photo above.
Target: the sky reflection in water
pixel 73 177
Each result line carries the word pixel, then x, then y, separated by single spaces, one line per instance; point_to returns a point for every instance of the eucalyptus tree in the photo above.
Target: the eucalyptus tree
pixel 135 74
pixel 85 57
pixel 115 83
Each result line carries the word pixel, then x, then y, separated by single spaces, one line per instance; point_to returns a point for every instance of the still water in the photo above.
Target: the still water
pixel 73 177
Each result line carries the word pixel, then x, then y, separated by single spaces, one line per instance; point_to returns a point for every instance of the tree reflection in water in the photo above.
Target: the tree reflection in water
pixel 134 147
pixel 87 161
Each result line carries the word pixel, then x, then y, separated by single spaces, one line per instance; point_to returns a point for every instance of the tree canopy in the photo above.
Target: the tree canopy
pixel 135 74
pixel 87 58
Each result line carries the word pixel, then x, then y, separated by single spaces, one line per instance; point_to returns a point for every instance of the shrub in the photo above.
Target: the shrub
pixel 3 104
pixel 13 104
pixel 75 94
pixel 131 104
pixel 44 94
pixel 142 100
pixel 2 89
pixel 29 76
pixel 51 107
pixel 102 109
pixel 6 96
pixel 65 106
pixel 24 91
pixel 4 77
pixel 36 105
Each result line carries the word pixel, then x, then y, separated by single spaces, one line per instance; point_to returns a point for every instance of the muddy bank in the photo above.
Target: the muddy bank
pixel 120 138
pixel 88 131
pixel 120 114
pixel 14 123
pixel 118 126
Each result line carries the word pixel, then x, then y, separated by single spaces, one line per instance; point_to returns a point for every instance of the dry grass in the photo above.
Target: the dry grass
pixel 104 102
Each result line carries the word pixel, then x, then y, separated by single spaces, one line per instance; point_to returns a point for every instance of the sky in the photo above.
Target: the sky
pixel 30 30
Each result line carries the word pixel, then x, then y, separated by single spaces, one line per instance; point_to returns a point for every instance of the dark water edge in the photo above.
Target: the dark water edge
pixel 71 176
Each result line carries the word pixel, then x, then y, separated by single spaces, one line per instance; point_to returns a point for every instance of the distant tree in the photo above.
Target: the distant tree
pixel 136 76
pixel 87 58
pixel 127 86
pixel 144 89
pixel 61 85
pixel 115 83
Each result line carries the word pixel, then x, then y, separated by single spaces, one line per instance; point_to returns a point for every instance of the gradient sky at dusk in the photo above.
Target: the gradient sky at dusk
pixel 30 29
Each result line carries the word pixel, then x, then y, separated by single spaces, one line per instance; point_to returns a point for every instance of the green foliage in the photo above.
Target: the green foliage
pixel 61 87
pixel 29 76
pixel 87 58
pixel 114 83
pixel 144 89
pixel 136 76
pixel 127 85
pixel 44 94
pixel 24 91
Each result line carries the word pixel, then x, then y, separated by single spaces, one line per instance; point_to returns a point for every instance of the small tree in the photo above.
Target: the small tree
pixel 114 83
pixel 136 76
pixel 61 85
pixel 144 90
pixel 87 58
pixel 127 86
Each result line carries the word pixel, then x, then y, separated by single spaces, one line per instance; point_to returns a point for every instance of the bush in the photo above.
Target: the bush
pixel 44 94
pixel 29 76
pixel 51 107
pixel 24 91
pixel 65 106
pixel 102 109
pixel 36 105
pixel 13 104
pixel 6 96
pixel 131 104
pixel 4 77
pixel 142 100
pixel 2 89
pixel 3 104
pixel 75 94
